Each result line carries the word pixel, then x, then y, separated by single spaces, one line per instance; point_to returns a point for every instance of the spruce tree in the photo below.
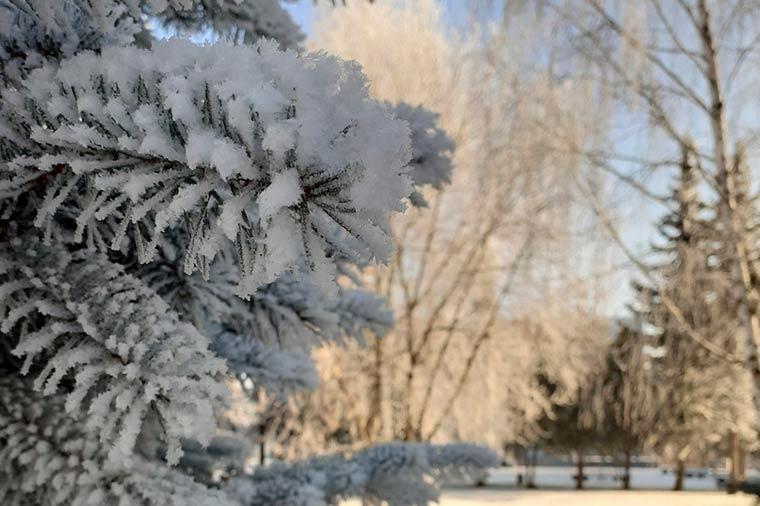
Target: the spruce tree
pixel 696 390
pixel 577 427
pixel 731 312
pixel 629 393
pixel 174 218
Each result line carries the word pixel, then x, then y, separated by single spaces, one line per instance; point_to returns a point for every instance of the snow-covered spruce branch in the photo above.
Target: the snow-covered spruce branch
pixel 361 311
pixel 457 462
pixel 249 144
pixel 431 149
pixel 269 367
pixel 296 314
pixel 227 453
pixel 207 157
pixel 35 31
pixel 287 319
pixel 77 315
pixel 380 472
pixel 401 474
pixel 203 302
pixel 292 313
pixel 49 458
pixel 267 338
pixel 235 20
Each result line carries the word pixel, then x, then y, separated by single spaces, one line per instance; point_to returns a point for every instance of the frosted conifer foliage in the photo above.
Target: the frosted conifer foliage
pixel 35 31
pixel 430 164
pixel 251 145
pixel 236 20
pixel 431 146
pixel 276 370
pixel 127 351
pixel 395 473
pixel 47 458
pixel 173 217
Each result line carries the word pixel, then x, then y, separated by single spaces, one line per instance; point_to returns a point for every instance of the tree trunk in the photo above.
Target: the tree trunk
pixel 521 457
pixel 728 205
pixel 733 457
pixel 627 470
pixel 579 471
pixel 262 443
pixel 530 471
pixel 374 427
pixel 680 470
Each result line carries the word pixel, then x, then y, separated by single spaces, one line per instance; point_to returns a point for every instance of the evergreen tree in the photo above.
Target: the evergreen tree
pixel 698 393
pixel 629 393
pixel 732 314
pixel 173 218
pixel 723 256
pixel 575 421
pixel 577 427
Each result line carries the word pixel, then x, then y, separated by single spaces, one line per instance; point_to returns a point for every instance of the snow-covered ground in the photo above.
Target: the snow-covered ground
pixel 651 487
pixel 512 497
pixel 607 478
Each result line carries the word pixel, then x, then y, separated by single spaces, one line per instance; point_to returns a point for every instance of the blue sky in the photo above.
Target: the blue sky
pixel 303 12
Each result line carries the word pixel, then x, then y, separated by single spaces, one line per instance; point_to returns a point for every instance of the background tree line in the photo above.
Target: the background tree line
pixel 588 282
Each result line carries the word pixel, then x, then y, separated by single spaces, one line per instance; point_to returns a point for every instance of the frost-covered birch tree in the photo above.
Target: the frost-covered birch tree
pixel 174 217
pixel 680 70
pixel 478 269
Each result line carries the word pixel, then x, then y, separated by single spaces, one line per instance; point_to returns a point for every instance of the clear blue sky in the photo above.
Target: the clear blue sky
pixel 303 12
